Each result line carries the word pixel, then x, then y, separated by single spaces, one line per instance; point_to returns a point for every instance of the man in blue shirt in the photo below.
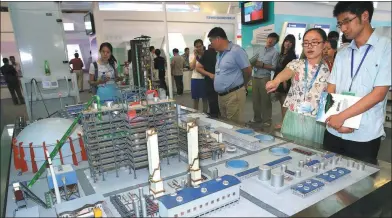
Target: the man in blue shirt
pixel 265 64
pixel 232 73
pixel 362 69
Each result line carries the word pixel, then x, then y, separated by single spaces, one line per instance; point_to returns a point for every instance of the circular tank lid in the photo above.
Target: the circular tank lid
pixel 265 138
pixel 47 130
pixel 246 131
pixel 279 151
pixel 237 164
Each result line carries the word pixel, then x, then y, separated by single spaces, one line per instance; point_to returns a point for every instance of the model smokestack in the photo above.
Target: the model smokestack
pixel 193 152
pixel 156 183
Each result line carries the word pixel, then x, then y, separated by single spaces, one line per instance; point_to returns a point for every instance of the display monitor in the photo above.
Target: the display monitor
pixel 254 12
pixel 89 24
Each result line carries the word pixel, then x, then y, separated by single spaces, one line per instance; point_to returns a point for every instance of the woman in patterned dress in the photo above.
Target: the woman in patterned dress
pixel 309 78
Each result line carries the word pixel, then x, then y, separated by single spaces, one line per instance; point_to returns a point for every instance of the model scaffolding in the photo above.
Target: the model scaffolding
pixel 209 147
pixel 119 139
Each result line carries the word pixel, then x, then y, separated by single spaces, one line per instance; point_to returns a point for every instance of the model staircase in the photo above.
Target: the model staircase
pixel 29 194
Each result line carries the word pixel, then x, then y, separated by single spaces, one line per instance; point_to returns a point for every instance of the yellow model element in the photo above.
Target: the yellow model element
pixel 97 212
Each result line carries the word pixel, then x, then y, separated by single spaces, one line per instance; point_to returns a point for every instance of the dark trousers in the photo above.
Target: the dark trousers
pixel 363 151
pixel 162 82
pixel 212 98
pixel 14 87
pixel 179 84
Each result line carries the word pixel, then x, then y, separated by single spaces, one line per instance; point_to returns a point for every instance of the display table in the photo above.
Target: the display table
pixel 362 193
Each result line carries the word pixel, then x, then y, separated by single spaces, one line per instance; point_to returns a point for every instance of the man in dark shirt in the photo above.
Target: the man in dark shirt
pixel 77 67
pixel 160 64
pixel 11 78
pixel 206 66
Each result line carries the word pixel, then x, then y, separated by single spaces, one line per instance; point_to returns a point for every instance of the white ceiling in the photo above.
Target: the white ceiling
pixel 208 7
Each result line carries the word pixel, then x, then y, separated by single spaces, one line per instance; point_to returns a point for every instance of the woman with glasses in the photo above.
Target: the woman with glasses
pixel 287 54
pixel 308 79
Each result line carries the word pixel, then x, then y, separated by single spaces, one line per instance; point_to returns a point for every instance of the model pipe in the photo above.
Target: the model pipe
pixel 56 187
pixel 135 206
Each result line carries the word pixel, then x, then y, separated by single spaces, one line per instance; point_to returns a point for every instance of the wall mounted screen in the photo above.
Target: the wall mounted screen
pixel 89 24
pixel 254 12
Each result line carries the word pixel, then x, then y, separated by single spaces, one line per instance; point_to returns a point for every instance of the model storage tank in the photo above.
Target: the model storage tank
pixel 30 144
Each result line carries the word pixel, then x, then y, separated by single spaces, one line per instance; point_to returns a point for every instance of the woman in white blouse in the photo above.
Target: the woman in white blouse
pixel 104 75
pixel 198 87
pixel 309 78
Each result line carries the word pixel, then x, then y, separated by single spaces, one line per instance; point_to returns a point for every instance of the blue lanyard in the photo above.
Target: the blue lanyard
pixel 359 66
pixel 220 57
pixel 307 88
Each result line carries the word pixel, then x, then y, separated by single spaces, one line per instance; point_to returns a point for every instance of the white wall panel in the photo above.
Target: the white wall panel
pixel 118 32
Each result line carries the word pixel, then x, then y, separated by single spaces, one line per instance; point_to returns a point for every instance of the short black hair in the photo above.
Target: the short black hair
pixel 197 41
pixel 275 36
pixel 152 48
pixel 12 57
pixel 333 34
pixel 217 32
pixel 76 55
pixel 5 60
pixel 345 40
pixel 333 43
pixel 157 52
pixel 319 31
pixel 356 8
pixel 186 49
pixel 175 51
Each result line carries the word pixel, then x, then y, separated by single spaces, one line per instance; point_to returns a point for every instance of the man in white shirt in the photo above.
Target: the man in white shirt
pixel 16 65
pixel 362 69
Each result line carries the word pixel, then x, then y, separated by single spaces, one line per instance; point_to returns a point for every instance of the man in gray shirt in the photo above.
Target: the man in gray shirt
pixel 185 56
pixel 177 68
pixel 232 73
pixel 265 64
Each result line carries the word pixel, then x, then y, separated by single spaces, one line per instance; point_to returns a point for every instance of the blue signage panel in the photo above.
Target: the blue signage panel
pixel 296 25
pixel 322 26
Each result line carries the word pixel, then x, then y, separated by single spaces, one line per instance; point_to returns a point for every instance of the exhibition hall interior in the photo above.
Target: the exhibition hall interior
pixel 195 109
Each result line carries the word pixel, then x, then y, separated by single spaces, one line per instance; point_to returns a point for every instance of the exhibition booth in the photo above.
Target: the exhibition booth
pixel 119 27
pixel 142 154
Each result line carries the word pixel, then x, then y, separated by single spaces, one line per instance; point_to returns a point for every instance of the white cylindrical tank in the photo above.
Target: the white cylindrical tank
pixel 44 134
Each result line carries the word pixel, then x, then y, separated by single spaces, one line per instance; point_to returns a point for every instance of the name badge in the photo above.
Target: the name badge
pixel 348 93
pixel 304 107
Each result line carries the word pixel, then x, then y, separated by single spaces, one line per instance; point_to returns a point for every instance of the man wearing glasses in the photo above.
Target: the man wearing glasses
pixel 232 73
pixel 362 69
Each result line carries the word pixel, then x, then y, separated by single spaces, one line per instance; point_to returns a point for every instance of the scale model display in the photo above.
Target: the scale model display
pixel 145 156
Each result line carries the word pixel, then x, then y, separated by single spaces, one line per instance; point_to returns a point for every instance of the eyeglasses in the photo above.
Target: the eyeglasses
pixel 345 22
pixel 213 38
pixel 306 44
